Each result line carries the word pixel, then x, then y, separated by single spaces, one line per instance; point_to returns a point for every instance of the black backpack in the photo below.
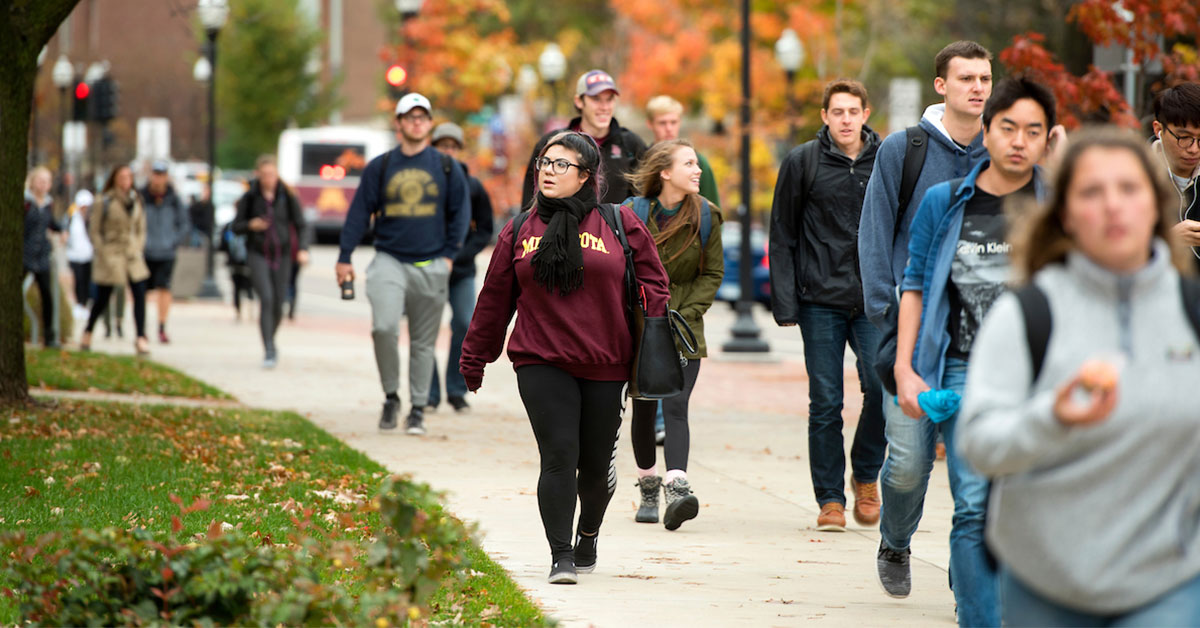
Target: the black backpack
pixel 914 160
pixel 1035 311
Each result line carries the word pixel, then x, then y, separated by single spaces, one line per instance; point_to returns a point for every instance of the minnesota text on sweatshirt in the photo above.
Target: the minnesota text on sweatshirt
pixel 586 332
pixel 1102 518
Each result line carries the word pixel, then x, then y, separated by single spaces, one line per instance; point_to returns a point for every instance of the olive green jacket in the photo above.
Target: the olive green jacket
pixel 693 288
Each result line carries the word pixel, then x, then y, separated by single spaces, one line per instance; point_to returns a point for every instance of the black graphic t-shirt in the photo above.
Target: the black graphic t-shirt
pixel 980 269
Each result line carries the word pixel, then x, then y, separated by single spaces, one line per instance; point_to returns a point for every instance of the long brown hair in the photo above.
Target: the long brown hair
pixel 647 182
pixel 1038 237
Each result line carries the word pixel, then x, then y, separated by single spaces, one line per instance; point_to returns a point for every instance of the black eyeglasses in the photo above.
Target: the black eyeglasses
pixel 559 166
pixel 1184 142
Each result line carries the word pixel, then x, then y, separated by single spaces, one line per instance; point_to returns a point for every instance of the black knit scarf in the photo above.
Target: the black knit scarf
pixel 558 262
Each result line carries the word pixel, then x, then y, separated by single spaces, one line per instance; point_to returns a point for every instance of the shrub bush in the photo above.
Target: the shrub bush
pixel 115 576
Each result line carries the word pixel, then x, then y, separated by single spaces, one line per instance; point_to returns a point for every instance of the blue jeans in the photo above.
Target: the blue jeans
pixel 904 481
pixel 462 306
pixel 1023 607
pixel 826 331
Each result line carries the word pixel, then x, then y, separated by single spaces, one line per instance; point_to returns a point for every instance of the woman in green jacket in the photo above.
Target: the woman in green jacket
pixel 687 230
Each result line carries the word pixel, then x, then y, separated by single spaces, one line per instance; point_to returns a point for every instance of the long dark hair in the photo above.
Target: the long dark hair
pixel 647 182
pixel 111 182
pixel 589 159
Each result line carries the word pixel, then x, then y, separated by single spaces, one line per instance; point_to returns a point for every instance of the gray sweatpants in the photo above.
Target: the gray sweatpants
pixel 419 293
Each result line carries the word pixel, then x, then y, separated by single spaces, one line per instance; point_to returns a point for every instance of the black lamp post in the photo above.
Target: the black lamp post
pixel 213 14
pixel 745 332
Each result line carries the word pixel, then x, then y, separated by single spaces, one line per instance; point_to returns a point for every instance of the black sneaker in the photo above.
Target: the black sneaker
pixel 459 404
pixel 387 420
pixel 681 503
pixel 563 572
pixel 895 576
pixel 585 553
pixel 414 425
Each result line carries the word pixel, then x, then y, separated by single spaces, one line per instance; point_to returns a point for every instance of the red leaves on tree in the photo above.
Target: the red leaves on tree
pixel 1079 97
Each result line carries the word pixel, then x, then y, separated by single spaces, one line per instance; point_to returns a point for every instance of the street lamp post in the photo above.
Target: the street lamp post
pixel 213 14
pixel 789 52
pixel 745 332
pixel 63 74
pixel 552 65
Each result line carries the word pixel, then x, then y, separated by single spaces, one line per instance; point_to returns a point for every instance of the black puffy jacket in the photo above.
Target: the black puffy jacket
pixel 814 233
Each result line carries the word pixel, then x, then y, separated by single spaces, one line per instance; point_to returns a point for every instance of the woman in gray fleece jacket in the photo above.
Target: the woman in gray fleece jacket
pixel 1095 506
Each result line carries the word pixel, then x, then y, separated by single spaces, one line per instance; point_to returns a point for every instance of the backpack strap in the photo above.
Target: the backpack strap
pixel 811 163
pixel 1189 289
pixel 640 206
pixel 705 224
pixel 1035 310
pixel 612 215
pixel 917 142
pixel 387 157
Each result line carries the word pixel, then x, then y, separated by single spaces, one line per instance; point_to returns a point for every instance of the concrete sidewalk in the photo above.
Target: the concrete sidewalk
pixel 752 557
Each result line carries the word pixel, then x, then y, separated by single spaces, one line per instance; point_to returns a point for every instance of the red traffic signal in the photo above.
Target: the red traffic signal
pixel 82 90
pixel 396 75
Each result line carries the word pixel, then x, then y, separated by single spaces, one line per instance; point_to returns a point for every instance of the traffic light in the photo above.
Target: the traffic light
pixel 105 94
pixel 82 92
pixel 396 76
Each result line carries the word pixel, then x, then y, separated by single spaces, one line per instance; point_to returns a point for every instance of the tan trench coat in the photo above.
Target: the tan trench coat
pixel 119 238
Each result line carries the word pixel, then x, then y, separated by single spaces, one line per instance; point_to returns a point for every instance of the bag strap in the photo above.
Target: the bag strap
pixel 705 223
pixel 914 161
pixel 1189 289
pixel 1035 310
pixel 387 157
pixel 810 163
pixel 682 330
pixel 612 215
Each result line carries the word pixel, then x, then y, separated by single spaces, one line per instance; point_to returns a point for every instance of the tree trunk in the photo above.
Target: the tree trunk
pixel 25 26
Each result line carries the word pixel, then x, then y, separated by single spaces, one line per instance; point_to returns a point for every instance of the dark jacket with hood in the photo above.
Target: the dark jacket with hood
pixel 167 223
pixel 814 233
pixel 479 232
pixel 35 256
pixel 285 216
pixel 621 150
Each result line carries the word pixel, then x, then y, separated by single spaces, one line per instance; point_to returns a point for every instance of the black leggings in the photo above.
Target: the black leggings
pixel 103 293
pixel 675 419
pixel 82 272
pixel 575 422
pixel 42 279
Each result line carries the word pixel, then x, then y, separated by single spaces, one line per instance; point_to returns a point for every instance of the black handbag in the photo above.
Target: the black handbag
pixel 657 371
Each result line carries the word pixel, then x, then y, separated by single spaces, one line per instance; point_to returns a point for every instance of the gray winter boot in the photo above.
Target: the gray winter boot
pixel 681 503
pixel 648 511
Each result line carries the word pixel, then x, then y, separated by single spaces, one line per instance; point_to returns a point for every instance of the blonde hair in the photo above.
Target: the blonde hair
pixel 660 105
pixel 265 160
pixel 1037 235
pixel 36 170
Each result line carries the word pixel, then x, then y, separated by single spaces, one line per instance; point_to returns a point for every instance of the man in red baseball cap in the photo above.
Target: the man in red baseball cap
pixel 596 96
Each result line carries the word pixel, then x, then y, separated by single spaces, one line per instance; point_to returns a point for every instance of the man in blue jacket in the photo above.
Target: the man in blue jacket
pixel 958 266
pixel 420 203
pixel 954 144
pixel 449 139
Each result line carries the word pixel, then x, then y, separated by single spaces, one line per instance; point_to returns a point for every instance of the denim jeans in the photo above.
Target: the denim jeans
pixel 904 481
pixel 462 306
pixel 1023 607
pixel 826 331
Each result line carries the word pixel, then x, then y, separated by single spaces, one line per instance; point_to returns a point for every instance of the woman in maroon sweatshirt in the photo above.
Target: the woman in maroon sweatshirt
pixel 563 275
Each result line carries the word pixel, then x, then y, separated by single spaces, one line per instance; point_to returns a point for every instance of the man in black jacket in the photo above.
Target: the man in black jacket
pixel 815 283
pixel 596 96
pixel 448 138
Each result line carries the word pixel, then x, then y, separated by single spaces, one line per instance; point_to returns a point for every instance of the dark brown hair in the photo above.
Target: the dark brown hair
pixel 111 181
pixel 965 49
pixel 1038 237
pixel 844 86
pixel 1178 105
pixel 647 182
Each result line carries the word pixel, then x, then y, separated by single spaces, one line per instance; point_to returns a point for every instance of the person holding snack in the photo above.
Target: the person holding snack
pixel 1081 410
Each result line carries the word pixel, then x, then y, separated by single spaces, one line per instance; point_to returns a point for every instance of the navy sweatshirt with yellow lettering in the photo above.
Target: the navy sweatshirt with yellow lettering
pixel 423 214
pixel 585 333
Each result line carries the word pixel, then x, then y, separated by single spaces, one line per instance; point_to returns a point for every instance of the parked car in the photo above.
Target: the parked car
pixel 760 273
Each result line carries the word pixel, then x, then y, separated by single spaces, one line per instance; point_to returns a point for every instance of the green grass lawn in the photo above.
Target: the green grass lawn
pixel 69 465
pixel 59 369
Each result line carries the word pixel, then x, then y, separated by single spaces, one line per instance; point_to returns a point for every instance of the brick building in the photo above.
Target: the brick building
pixel 151 46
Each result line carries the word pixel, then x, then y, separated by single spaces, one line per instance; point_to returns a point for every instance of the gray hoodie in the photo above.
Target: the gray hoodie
pixel 1102 518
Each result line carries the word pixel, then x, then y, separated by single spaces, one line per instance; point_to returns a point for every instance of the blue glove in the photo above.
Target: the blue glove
pixel 939 405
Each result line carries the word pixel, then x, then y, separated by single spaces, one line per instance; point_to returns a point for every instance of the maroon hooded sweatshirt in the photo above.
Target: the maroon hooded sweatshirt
pixel 585 333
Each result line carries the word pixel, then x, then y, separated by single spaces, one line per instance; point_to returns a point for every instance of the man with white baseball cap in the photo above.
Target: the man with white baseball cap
pixel 596 96
pixel 421 206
